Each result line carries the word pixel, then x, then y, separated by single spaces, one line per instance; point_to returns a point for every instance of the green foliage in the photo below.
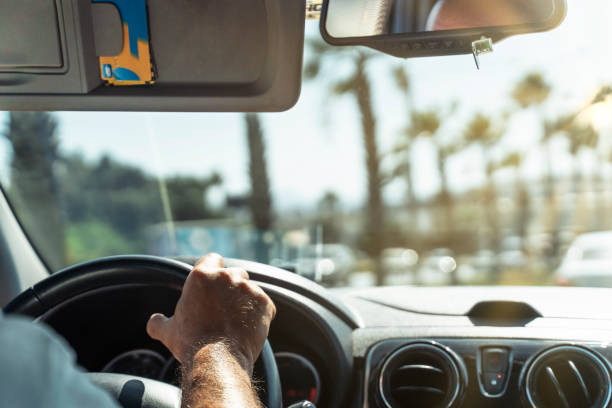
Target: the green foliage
pixel 119 195
pixel 512 159
pixel 582 136
pixel 401 78
pixel 425 123
pixel 90 240
pixel 532 90
pixel 187 196
pixel 604 93
pixel 104 206
pixel 481 130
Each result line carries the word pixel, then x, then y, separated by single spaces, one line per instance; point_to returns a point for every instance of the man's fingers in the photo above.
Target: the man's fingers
pixel 211 261
pixel 156 326
pixel 263 299
pixel 238 273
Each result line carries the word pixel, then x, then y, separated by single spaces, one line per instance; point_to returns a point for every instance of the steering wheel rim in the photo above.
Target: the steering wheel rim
pixel 79 279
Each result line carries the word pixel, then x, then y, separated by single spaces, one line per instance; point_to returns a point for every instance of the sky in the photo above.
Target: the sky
pixel 316 146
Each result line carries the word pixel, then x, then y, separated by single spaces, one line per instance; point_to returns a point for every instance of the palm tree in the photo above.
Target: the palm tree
pixel 514 160
pixel 260 201
pixel 482 132
pixel 328 217
pixel 404 147
pixel 358 85
pixel 427 124
pixel 580 137
pixel 532 92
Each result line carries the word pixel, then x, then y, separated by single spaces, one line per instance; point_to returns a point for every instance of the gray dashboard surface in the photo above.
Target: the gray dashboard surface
pixel 550 302
pixel 568 314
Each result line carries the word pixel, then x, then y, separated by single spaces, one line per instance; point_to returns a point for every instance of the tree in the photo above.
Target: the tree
pixel 33 182
pixel 120 202
pixel 481 132
pixel 532 92
pixel 328 217
pixel 427 124
pixel 580 137
pixel 358 85
pixel 403 148
pixel 188 196
pixel 123 197
pixel 260 200
pixel 521 193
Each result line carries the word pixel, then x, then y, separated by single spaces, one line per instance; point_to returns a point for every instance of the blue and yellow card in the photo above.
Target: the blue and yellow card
pixel 133 65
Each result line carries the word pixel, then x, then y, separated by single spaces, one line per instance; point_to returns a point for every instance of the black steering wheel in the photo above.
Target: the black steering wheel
pixel 41 300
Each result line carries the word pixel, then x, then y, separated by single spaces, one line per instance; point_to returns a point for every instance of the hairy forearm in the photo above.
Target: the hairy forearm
pixel 216 378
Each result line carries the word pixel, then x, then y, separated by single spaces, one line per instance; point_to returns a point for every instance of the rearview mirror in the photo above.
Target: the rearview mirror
pixel 408 28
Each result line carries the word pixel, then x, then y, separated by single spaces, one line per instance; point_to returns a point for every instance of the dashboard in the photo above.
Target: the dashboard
pixel 483 346
pixel 301 379
pixel 389 347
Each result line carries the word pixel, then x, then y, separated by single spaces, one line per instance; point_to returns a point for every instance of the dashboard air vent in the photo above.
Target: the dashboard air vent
pixel 423 374
pixel 567 377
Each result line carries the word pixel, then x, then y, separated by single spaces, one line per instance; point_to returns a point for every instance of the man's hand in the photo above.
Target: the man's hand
pixel 220 324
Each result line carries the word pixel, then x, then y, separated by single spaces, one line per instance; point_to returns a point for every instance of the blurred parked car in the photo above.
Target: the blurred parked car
pixel 400 265
pixel 438 268
pixel 511 255
pixel 329 264
pixel 476 267
pixel 588 261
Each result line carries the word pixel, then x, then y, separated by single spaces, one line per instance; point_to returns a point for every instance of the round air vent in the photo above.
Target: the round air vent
pixel 424 374
pixel 567 376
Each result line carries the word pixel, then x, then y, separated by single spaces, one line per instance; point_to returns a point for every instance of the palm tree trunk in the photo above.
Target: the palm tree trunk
pixel 260 202
pixel 581 212
pixel 492 216
pixel 410 194
pixel 445 197
pixel 522 204
pixel 551 204
pixel 375 218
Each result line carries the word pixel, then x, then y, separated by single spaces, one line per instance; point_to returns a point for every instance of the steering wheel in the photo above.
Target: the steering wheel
pixel 41 300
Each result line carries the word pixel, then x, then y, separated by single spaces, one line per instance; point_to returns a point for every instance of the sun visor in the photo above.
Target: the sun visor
pixel 151 55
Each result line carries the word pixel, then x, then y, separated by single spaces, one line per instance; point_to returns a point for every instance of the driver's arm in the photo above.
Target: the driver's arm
pixel 218 329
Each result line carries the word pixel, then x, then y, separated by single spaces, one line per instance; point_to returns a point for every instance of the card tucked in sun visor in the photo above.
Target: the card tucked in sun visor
pixel 208 55
pixel 133 65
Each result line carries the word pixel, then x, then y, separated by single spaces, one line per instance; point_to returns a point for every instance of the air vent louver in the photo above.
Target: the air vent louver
pixel 424 375
pixel 567 377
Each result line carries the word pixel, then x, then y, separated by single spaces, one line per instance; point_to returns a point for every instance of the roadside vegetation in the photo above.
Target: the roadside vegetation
pixel 515 225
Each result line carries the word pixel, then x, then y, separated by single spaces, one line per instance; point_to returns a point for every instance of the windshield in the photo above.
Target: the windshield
pixel 387 171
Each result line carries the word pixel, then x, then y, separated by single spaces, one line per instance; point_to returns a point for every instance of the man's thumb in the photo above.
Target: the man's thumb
pixel 156 326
